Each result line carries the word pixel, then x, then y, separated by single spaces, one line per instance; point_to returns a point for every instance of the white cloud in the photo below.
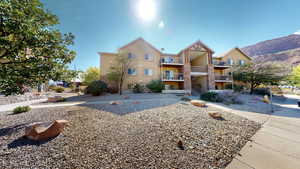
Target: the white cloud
pixel 297 33
pixel 161 25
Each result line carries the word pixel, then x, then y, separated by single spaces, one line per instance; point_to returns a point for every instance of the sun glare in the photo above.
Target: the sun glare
pixel 146 10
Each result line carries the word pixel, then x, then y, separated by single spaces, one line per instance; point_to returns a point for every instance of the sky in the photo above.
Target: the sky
pixel 106 25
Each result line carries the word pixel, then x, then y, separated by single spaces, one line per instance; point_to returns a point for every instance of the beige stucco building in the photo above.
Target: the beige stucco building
pixel 191 69
pixel 223 66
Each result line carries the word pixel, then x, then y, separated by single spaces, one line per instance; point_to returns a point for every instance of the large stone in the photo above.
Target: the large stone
pixel 55 99
pixel 198 103
pixel 38 132
pixel 266 99
pixel 215 115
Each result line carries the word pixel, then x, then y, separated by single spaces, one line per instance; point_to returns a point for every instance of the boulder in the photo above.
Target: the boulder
pixel 266 99
pixel 198 103
pixel 114 103
pixel 55 99
pixel 215 115
pixel 38 132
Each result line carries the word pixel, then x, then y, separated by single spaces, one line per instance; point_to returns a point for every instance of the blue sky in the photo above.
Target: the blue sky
pixel 105 25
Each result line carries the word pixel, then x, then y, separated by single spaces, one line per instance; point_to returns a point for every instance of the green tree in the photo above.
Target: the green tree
pixel 256 74
pixel 32 50
pixel 294 77
pixel 118 71
pixel 90 75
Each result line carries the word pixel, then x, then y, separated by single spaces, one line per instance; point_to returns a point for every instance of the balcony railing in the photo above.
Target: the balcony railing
pixel 223 78
pixel 221 63
pixel 171 60
pixel 172 77
pixel 199 69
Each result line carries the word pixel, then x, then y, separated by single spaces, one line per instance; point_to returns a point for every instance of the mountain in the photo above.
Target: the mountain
pixel 284 49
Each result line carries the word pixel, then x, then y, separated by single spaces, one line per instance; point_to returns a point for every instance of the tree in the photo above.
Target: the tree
pixel 294 77
pixel 32 50
pixel 90 75
pixel 256 74
pixel 118 71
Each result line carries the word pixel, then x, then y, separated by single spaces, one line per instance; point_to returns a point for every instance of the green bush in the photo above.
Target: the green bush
pixel 21 109
pixel 236 88
pixel 261 91
pixel 156 86
pixel 211 96
pixel 96 88
pixel 138 88
pixel 59 89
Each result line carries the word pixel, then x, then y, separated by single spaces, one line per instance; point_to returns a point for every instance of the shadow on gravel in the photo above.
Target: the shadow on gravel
pixel 23 141
pixel 12 129
pixel 126 107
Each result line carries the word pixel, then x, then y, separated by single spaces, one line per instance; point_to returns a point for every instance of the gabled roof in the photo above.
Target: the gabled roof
pixel 198 42
pixel 236 48
pixel 140 39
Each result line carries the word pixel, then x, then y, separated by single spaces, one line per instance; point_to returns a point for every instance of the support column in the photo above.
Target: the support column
pixel 210 73
pixel 187 72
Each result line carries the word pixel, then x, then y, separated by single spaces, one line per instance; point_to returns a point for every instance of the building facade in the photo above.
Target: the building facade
pixel 223 64
pixel 191 69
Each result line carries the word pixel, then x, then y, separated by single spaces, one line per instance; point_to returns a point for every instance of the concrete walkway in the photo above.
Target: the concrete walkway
pixel 10 107
pixel 277 144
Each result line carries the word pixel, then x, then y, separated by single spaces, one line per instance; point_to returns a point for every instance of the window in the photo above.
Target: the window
pixel 148 57
pixel 148 72
pixel 131 71
pixel 241 62
pixel 130 55
pixel 230 61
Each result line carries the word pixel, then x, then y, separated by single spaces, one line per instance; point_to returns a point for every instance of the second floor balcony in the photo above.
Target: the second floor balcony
pixel 223 78
pixel 221 64
pixel 171 60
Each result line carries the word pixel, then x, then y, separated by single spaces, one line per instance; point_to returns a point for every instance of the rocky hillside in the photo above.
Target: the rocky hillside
pixel 273 46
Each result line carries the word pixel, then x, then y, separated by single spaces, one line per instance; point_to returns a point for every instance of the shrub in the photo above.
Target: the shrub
pixel 261 91
pixel 156 86
pixel 96 88
pixel 52 87
pixel 230 98
pixel 21 109
pixel 59 89
pixel 112 90
pixel 211 96
pixel 137 88
pixel 236 88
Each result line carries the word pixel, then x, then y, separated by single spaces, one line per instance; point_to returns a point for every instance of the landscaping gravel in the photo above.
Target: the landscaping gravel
pixel 134 138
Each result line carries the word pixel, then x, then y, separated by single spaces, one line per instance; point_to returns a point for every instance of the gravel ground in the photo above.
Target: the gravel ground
pixel 98 138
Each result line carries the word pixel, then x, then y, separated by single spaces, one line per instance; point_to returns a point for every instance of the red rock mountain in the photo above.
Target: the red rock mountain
pixel 283 49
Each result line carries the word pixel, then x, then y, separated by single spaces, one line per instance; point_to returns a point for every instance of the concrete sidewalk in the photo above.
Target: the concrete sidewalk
pixel 10 107
pixel 276 145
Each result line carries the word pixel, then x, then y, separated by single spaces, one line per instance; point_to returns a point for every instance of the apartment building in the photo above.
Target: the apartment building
pixel 191 69
pixel 223 66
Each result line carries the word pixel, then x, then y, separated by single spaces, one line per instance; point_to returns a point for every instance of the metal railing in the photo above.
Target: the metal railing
pixel 220 63
pixel 171 60
pixel 174 76
pixel 223 77
pixel 199 69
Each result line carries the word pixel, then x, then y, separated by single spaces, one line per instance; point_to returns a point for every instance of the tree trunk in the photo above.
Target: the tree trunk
pixel 121 84
pixel 251 88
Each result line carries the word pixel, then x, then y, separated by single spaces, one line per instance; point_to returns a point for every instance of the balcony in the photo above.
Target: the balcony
pixel 175 77
pixel 172 61
pixel 199 70
pixel 223 78
pixel 221 64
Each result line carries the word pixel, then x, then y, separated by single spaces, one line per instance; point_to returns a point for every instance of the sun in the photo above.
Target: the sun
pixel 146 10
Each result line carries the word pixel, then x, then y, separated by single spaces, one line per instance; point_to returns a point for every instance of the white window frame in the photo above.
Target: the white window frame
pixel 148 57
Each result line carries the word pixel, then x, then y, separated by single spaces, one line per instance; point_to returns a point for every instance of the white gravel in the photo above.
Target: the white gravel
pixel 128 135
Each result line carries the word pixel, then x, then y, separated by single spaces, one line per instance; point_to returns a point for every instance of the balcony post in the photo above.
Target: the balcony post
pixel 187 71
pixel 210 72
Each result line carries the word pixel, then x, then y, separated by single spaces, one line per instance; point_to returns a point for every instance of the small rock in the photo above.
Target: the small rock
pixel 198 103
